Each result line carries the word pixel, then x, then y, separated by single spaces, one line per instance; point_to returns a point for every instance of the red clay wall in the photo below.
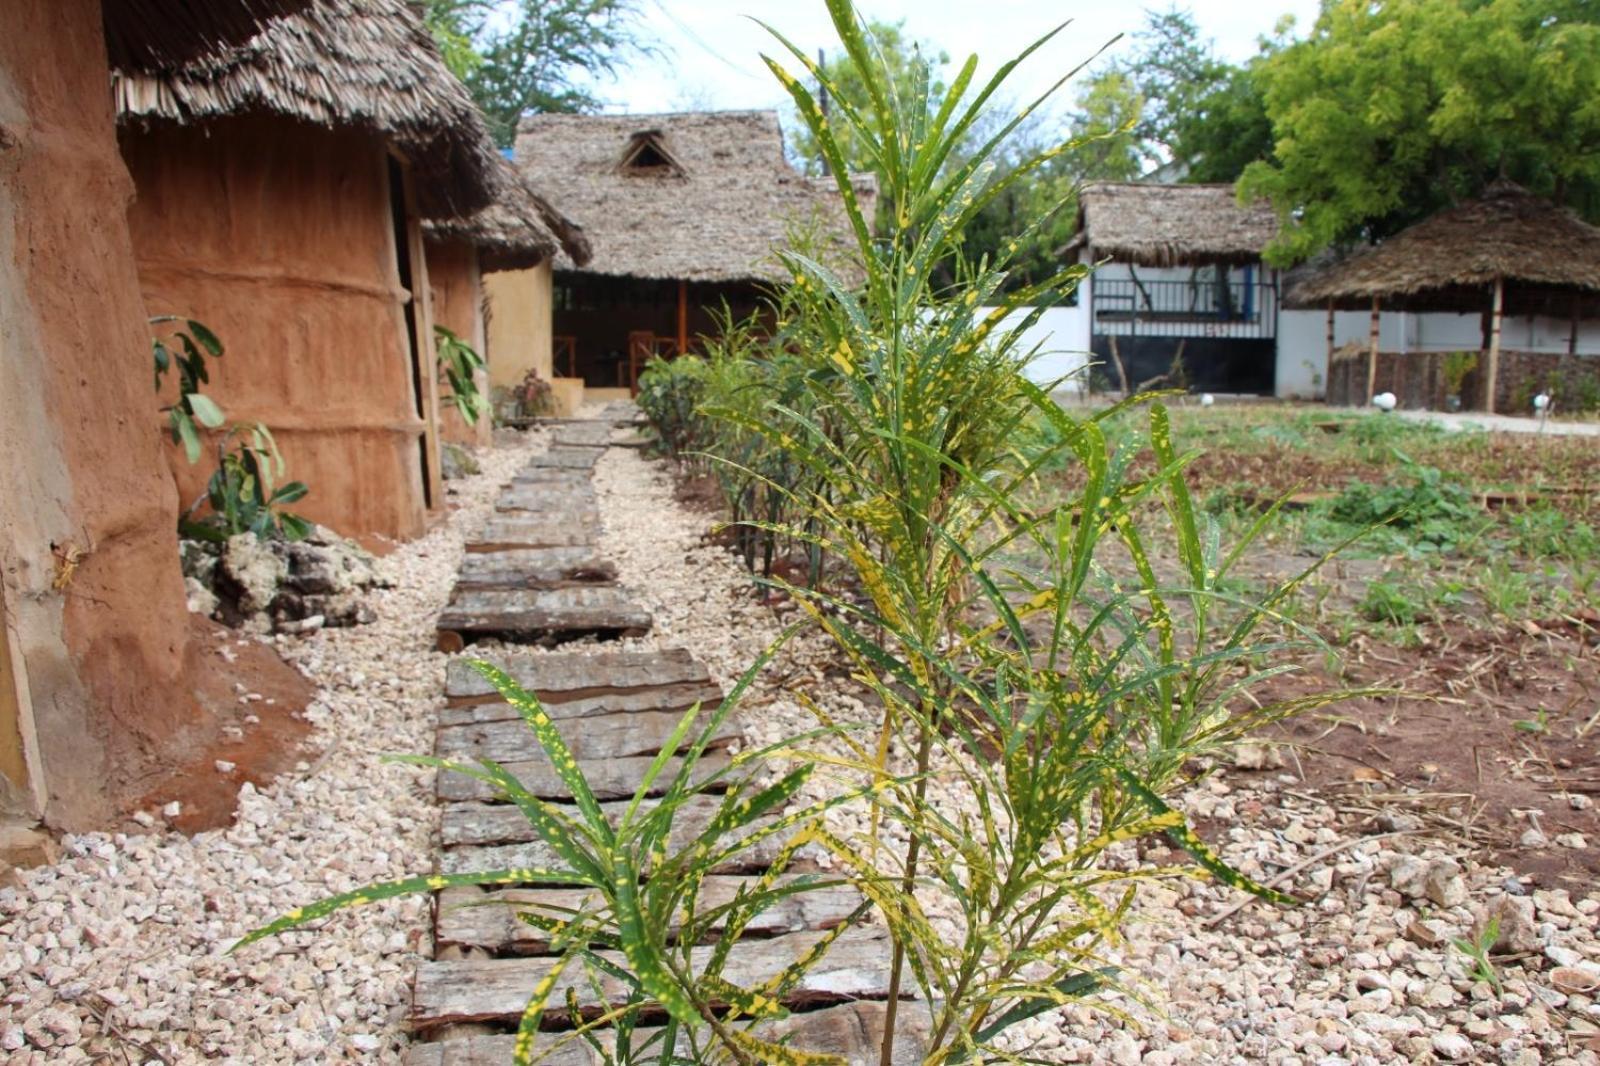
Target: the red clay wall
pixel 88 552
pixel 279 236
pixel 458 306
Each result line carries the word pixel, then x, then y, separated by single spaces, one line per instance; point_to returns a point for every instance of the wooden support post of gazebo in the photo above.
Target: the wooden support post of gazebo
pixel 683 317
pixel 1372 353
pixel 1496 319
pixel 1330 335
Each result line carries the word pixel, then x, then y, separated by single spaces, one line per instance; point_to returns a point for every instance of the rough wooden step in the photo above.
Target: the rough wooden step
pixel 553 477
pixel 496 990
pixel 518 530
pixel 598 737
pixel 535 568
pixel 488 920
pixel 666 698
pixel 571 502
pixel 561 676
pixel 586 434
pixel 608 778
pixel 477 823
pixel 561 457
pixel 525 615
pixel 853 1031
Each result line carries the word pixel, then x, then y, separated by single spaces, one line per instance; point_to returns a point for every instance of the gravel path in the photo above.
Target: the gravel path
pixel 1362 975
pixel 116 954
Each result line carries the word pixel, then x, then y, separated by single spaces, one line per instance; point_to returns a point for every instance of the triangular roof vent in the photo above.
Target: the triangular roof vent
pixel 647 155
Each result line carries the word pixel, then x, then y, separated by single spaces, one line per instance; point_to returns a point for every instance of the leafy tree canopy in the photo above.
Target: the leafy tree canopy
pixel 1392 110
pixel 520 56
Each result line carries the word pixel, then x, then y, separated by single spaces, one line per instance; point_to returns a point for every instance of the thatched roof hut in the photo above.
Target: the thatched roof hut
pixel 696 196
pixel 146 33
pixel 518 229
pixel 1547 258
pixel 1171 225
pixel 363 64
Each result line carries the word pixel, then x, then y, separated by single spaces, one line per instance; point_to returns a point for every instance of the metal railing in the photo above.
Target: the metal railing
pixel 1201 307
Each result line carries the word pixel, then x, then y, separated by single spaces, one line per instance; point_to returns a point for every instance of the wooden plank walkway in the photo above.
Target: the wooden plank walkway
pixel 535 575
pixel 532 573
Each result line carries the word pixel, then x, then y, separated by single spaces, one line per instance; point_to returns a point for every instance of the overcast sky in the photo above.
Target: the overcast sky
pixel 710 49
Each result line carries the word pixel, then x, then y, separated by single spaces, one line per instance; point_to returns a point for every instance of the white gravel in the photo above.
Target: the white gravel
pixel 1342 980
pixel 117 953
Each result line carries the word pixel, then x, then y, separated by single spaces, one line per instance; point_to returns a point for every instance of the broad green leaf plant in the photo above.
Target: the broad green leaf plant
pixel 184 348
pixel 246 492
pixel 460 364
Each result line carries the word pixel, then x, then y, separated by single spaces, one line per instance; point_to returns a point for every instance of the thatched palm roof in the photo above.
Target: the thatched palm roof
pixel 152 32
pixel 1171 225
pixel 363 64
pixel 700 196
pixel 1547 256
pixel 518 229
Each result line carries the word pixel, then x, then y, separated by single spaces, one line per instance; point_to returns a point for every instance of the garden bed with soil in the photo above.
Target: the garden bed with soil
pixel 1364 970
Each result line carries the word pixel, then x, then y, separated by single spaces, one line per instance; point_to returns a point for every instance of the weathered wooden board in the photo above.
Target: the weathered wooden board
pixel 665 698
pixel 472 990
pixel 603 736
pixel 476 823
pixel 535 568
pixel 489 920
pixel 553 477
pixel 561 676
pixel 566 458
pixel 514 530
pixel 585 434
pixel 571 502
pixel 608 778
pixel 853 1031
pixel 536 613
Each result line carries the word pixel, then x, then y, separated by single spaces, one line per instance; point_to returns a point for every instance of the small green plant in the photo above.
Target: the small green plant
pixel 670 394
pixel 1453 371
pixel 1477 950
pixel 184 349
pixel 1539 724
pixel 461 364
pixel 1428 513
pixel 244 494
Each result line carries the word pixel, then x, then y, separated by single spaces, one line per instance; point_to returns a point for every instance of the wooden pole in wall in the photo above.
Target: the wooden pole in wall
pixel 683 317
pixel 1572 336
pixel 1372 356
pixel 1496 314
pixel 1329 369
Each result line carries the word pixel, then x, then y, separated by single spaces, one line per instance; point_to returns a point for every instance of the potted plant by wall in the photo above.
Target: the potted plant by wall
pixel 1454 368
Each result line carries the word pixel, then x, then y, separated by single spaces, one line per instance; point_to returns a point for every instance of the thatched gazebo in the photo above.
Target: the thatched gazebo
pixel 519 231
pixel 685 212
pixel 1170 225
pixel 1179 278
pixel 1506 252
pixel 281 185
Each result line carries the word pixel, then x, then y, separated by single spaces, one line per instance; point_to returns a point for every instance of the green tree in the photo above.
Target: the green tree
pixel 521 56
pixel 1197 112
pixel 1389 111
